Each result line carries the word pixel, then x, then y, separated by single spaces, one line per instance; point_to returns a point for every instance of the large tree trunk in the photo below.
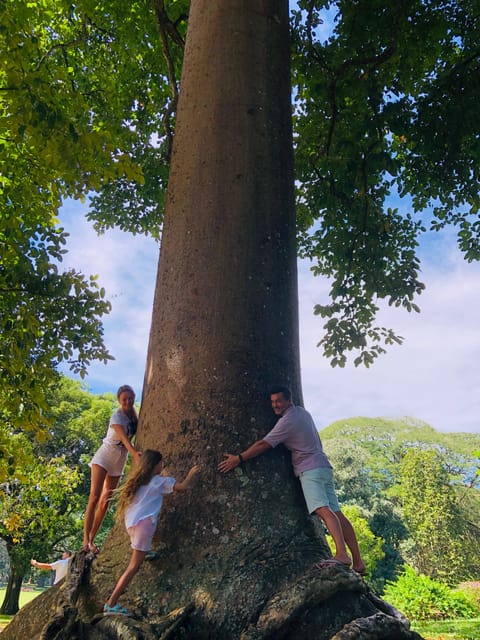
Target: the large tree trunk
pixel 236 554
pixel 12 593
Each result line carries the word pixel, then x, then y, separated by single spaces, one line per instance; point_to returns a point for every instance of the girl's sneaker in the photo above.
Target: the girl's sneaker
pixel 116 610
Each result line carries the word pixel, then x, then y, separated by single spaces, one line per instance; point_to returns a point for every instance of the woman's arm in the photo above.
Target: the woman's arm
pixel 122 436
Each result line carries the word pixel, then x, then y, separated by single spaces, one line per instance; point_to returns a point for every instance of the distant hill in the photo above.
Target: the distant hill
pixel 384 440
pixel 408 431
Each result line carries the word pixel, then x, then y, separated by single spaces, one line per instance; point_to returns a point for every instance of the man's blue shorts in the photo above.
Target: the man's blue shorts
pixel 318 489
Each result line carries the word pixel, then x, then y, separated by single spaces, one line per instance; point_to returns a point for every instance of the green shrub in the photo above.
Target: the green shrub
pixel 471 590
pixel 420 598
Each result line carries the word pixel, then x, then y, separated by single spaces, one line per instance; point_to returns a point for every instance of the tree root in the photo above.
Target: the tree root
pixel 332 603
pixel 302 609
pixel 377 627
pixel 66 623
pixel 123 628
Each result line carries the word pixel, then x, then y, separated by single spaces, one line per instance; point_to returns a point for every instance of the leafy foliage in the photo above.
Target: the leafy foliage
pixel 371 546
pixel 430 509
pixel 384 105
pixel 422 598
pixel 419 489
pixel 37 508
pixel 45 493
pixel 47 317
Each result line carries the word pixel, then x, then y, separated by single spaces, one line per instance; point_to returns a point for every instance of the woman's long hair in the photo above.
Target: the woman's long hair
pixel 140 475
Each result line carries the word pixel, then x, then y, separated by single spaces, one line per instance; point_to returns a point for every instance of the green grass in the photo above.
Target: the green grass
pixel 25 598
pixel 459 629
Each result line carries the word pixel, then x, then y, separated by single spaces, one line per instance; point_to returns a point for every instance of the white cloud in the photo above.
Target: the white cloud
pixel 126 267
pixel 434 376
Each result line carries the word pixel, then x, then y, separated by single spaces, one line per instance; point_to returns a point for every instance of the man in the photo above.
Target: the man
pixel 297 432
pixel 59 566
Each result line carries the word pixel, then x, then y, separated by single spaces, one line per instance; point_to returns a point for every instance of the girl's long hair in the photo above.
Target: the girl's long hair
pixel 141 474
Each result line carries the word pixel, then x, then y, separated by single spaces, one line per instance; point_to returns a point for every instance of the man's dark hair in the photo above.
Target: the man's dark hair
pixel 287 394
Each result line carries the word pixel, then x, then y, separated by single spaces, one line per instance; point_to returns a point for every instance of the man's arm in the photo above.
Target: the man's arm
pixel 46 566
pixel 233 460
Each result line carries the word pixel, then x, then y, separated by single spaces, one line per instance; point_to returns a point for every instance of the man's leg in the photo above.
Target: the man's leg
pixel 334 526
pixel 351 541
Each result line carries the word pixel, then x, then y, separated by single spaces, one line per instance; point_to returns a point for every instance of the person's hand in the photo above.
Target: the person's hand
pixel 229 463
pixel 194 470
pixel 33 562
pixel 136 456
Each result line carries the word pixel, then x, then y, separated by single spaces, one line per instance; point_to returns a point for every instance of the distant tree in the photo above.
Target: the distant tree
pixel 46 491
pixel 386 522
pixel 359 483
pixel 435 522
pixel 353 472
pixel 371 545
pixel 76 420
pixel 367 454
pixel 38 510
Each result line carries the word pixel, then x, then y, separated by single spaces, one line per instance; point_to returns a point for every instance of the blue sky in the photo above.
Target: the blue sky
pixel 433 377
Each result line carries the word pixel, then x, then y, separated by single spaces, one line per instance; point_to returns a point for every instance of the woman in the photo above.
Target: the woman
pixel 108 463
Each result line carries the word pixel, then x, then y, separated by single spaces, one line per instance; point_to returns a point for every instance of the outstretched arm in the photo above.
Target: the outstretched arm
pixel 41 565
pixel 184 484
pixel 231 461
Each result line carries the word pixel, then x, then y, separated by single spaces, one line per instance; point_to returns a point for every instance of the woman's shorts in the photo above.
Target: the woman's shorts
pixel 318 489
pixel 112 457
pixel 141 534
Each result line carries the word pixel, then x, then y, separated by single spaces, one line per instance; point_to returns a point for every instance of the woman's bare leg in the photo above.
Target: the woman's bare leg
pixel 109 484
pixel 98 475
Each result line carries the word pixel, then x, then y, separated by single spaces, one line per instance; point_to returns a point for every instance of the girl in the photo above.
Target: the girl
pixel 140 501
pixel 108 463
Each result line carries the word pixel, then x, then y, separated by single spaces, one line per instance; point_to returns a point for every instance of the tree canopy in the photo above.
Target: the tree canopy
pixel 384 106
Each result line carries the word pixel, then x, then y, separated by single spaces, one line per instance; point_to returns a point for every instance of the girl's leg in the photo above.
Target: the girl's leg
pixel 98 475
pixel 109 484
pixel 125 579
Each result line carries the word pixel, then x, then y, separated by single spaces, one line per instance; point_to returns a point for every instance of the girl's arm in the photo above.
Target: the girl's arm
pixel 184 484
pixel 122 436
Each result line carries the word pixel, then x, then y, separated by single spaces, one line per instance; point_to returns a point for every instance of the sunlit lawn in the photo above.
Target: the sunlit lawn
pixel 459 629
pixel 25 598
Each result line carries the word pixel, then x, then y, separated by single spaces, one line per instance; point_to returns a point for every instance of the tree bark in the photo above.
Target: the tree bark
pixel 236 553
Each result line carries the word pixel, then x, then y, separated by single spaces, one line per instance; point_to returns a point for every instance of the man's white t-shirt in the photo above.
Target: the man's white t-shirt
pixel 61 568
